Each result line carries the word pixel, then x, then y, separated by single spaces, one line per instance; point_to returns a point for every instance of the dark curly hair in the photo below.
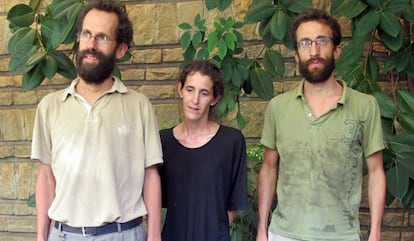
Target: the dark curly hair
pixel 320 16
pixel 124 31
pixel 207 68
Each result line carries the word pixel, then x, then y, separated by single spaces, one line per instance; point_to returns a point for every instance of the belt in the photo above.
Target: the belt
pixel 104 229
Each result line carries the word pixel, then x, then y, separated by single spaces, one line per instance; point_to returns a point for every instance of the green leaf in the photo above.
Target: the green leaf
pixel 33 78
pixel 273 63
pixel 397 181
pixel 230 40
pixel 212 40
pixel 390 24
pixel 298 6
pixel 60 32
pixel 185 40
pixel 236 78
pixel 401 143
pixel 189 53
pixel 23 36
pixel 367 23
pixel 372 68
pixel 386 104
pixel 406 100
pixel 408 199
pixel 260 12
pixel 222 4
pixel 211 4
pixel 375 3
pixel 349 8
pixel 261 82
pixel 393 43
pixel 20 57
pixel 203 53
pixel 398 7
pixel 21 15
pixel 60 9
pixel 49 66
pixel 402 60
pixel 350 55
pixel 66 68
pixel 35 59
pixel 241 121
pixel 222 49
pixel 279 24
pixel 31 202
pixel 409 14
pixel 117 73
pixel 197 37
pixel 185 26
pixel 407 121
pixel 74 11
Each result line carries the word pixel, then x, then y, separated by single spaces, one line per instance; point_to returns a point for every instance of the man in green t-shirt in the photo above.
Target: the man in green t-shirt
pixel 316 139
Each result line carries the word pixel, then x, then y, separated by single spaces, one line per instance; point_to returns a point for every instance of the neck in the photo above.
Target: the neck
pixel 91 92
pixel 327 88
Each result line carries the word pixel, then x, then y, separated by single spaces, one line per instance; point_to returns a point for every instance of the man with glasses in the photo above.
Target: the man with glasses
pixel 316 139
pixel 98 144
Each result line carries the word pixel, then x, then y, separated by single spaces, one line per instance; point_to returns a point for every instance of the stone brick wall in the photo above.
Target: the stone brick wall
pixel 152 71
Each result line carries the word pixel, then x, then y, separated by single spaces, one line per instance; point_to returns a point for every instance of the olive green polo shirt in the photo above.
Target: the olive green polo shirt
pixel 320 165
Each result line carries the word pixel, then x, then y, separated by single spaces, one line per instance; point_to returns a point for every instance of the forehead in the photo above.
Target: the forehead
pixel 312 30
pixel 198 80
pixel 97 21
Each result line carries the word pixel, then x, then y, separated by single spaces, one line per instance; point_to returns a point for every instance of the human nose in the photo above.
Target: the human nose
pixel 314 48
pixel 195 98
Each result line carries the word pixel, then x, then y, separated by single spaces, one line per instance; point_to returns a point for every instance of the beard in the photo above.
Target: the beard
pixel 317 75
pixel 95 73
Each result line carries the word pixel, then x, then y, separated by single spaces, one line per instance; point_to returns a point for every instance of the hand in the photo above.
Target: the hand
pixel 374 238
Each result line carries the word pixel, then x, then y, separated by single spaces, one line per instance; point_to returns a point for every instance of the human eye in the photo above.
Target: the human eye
pixel 305 43
pixel 102 38
pixel 322 41
pixel 205 93
pixel 85 35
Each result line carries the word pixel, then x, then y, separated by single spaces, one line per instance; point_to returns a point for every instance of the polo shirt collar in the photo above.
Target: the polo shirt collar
pixel 118 86
pixel 342 100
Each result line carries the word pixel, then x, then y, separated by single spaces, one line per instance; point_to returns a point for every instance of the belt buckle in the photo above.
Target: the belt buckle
pixel 84 233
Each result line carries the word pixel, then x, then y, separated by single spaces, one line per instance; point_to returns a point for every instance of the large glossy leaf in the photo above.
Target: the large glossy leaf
pixel 401 143
pixel 408 199
pixel 397 181
pixel 35 59
pixel 66 68
pixel 375 3
pixel 222 49
pixel 20 57
pixel 241 121
pixel 390 24
pixel 64 8
pixel 406 160
pixel 367 23
pixel 61 31
pixel 185 40
pixel 393 43
pixel 197 39
pixel 33 78
pixel 349 8
pixel 34 4
pixel 259 12
pixel 398 7
pixel 261 82
pixel 406 100
pixel 350 55
pixel 23 36
pixel 298 6
pixel 407 121
pixel 372 68
pixel 279 24
pixel 236 78
pixel 213 40
pixel 21 15
pixel 211 4
pixel 49 66
pixel 273 62
pixel 387 106
pixel 230 40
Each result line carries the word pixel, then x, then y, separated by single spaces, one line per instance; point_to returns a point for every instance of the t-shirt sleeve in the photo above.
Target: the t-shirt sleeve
pixel 373 139
pixel 268 138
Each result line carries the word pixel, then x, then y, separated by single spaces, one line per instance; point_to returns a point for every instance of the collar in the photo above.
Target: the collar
pixel 118 86
pixel 342 100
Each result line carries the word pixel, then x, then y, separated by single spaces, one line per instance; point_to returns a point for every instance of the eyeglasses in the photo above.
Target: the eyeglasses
pixel 100 38
pixel 307 43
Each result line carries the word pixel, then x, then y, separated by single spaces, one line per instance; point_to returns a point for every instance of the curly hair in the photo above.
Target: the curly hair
pixel 320 16
pixel 124 31
pixel 207 68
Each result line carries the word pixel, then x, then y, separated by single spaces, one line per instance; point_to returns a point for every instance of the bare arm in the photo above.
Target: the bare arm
pixel 45 193
pixel 266 187
pixel 232 216
pixel 376 193
pixel 152 200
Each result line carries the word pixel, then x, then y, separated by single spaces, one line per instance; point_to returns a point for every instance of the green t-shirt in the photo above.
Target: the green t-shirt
pixel 320 164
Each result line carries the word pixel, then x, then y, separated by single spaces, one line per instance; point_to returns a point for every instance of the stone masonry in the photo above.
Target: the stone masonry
pixel 153 71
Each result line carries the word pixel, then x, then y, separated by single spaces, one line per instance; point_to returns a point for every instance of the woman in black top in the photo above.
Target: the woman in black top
pixel 204 179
